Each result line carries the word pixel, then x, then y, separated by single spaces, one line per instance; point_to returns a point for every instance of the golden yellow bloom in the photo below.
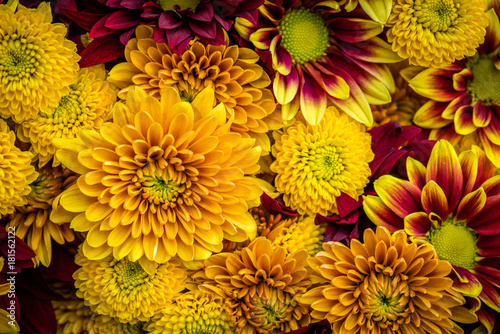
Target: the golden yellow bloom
pixel 194 312
pixel 129 291
pixel 436 32
pixel 16 172
pixel 7 326
pixel 72 315
pixel 302 234
pixel 32 221
pixel 86 105
pixel 314 164
pixel 238 81
pixel 103 324
pixel 164 178
pixel 37 62
pixel 385 285
pixel 257 303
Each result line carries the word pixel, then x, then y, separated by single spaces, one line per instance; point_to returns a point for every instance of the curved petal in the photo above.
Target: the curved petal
pixel 401 196
pixel 434 200
pixel 443 167
pixel 417 224
pixel 493 129
pixel 491 149
pixel 471 205
pixel 481 115
pixel 451 109
pixel 486 222
pixel 435 84
pixel 492 186
pixel 416 172
pixel 429 115
pixel 331 83
pixel 282 59
pixel 354 30
pixel 461 79
pixel 380 214
pixel 492 38
pixel 463 121
pixel 285 87
pixel 488 245
pixel 262 38
pixel 469 164
pixel 379 11
pixel 489 295
pixel 312 100
pixel 466 282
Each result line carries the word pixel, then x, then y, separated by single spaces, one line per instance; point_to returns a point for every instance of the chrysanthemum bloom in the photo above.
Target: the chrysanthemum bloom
pixel 435 33
pixel 86 105
pixel 193 312
pixel 164 178
pixel 385 285
pixel 465 96
pixel 103 324
pixel 73 316
pixel 261 286
pixel 315 164
pixel 238 81
pixel 322 54
pixel 36 61
pixel 32 221
pixel 16 172
pixel 451 204
pixel 129 291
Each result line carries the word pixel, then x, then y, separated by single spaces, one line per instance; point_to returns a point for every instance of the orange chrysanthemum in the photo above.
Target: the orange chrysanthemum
pixel 385 285
pixel 37 62
pixel 164 178
pixel 261 285
pixel 238 81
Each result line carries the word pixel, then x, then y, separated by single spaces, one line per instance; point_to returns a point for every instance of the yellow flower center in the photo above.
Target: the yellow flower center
pixel 18 59
pixel 68 112
pixel 304 35
pixel 326 162
pixel 272 311
pixel 183 4
pixel 485 86
pixel 436 15
pixel 456 243
pixel 129 274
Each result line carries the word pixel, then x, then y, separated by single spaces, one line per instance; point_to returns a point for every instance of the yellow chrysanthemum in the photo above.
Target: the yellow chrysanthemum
pixel 194 312
pixel 315 164
pixel 16 172
pixel 32 221
pixel 103 324
pixel 164 178
pixel 238 81
pixel 72 315
pixel 36 61
pixel 386 285
pixel 435 33
pixel 86 105
pixel 261 286
pixel 7 324
pixel 302 234
pixel 128 291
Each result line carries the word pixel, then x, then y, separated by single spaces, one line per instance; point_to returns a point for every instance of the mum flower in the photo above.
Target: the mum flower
pixel 256 302
pixel 164 178
pixel 86 105
pixel 129 291
pixel 322 55
pixel 464 97
pixel 315 164
pixel 37 62
pixel 451 204
pixel 435 33
pixel 385 285
pixel 238 81
pixel 16 172
pixel 32 221
pixel 192 313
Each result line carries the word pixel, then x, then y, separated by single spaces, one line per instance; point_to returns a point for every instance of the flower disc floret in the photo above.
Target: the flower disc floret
pixel 485 85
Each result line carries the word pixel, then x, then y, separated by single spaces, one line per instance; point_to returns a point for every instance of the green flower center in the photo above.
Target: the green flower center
pixel 270 312
pixel 435 15
pixel 326 162
pixel 129 274
pixel 456 243
pixel 183 4
pixel 304 35
pixel 485 86
pixel 385 297
pixel 19 59
pixel 158 185
pixel 69 111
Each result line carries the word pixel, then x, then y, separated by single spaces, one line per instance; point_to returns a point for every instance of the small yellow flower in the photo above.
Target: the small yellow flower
pixel 37 62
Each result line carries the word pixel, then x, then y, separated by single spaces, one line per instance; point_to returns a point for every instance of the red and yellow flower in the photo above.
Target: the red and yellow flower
pixel 452 204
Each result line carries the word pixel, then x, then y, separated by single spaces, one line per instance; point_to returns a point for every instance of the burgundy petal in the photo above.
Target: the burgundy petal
pixel 489 295
pixel 170 20
pixel 204 29
pixel 99 29
pixel 487 221
pixel 466 282
pixel 123 19
pixel 346 204
pixel 102 50
pixel 178 39
pixel 471 205
pixel 417 224
pixel 273 206
pixel 204 12
pixel 83 19
pixel 488 245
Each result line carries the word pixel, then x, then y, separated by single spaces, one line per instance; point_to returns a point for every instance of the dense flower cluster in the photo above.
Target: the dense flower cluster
pixel 250 166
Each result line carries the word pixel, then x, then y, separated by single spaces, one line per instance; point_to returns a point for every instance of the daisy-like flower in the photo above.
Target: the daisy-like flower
pixel 385 285
pixel 164 178
pixel 257 303
pixel 86 105
pixel 238 81
pixel 451 204
pixel 464 97
pixel 129 291
pixel 319 55
pixel 315 164
pixel 435 33
pixel 103 324
pixel 32 221
pixel 37 62
pixel 16 172
pixel 193 312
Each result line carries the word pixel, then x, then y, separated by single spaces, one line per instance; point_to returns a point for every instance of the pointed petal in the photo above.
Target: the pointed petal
pixel 471 205
pixel 487 245
pixel 416 172
pixel 435 84
pixel 312 100
pixel 463 121
pixel 417 224
pixel 434 200
pixel 429 115
pixel 491 149
pixel 466 283
pixel 486 222
pixel 481 115
pixel 493 129
pixel 332 84
pixel 380 214
pixel 401 196
pixel 379 11
pixel 355 30
pixel 489 295
pixel 285 87
pixel 469 164
pixel 282 60
pixel 452 107
pixel 262 38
